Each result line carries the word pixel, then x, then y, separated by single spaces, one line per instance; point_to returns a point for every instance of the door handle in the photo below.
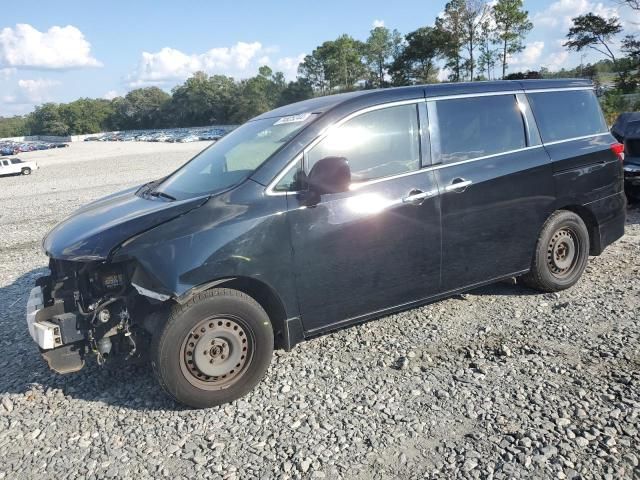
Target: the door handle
pixel 458 185
pixel 416 196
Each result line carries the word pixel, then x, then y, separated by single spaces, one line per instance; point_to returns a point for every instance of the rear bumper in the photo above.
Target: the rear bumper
pixel 610 214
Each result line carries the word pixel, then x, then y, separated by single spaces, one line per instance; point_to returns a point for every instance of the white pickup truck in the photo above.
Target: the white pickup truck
pixel 11 166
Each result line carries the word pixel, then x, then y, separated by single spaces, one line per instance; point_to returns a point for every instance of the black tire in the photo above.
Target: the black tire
pixel 633 193
pixel 207 325
pixel 26 171
pixel 561 254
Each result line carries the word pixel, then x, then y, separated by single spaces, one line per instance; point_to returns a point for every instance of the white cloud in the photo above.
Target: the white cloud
pixel 377 23
pixel 169 64
pixel 560 13
pixel 110 95
pixel 553 23
pixel 31 91
pixel 289 65
pixel 241 60
pixel 552 55
pixel 443 74
pixel 57 48
pixel 6 73
pixel 528 59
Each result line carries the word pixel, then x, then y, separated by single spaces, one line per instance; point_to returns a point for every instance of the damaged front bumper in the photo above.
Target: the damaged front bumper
pixel 89 309
pixel 55 332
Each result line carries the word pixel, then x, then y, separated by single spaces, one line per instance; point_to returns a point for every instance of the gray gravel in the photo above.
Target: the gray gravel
pixel 499 383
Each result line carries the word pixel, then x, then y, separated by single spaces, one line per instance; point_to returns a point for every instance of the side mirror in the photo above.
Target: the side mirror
pixel 329 175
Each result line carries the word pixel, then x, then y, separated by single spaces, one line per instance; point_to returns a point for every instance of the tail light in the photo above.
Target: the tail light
pixel 618 149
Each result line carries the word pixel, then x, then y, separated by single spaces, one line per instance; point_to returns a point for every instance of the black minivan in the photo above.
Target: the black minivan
pixel 326 213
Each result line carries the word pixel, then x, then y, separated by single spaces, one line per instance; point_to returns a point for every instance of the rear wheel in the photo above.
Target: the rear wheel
pixel 26 171
pixel 561 253
pixel 214 349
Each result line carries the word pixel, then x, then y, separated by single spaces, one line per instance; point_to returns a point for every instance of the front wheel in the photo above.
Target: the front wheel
pixel 561 253
pixel 26 171
pixel 214 349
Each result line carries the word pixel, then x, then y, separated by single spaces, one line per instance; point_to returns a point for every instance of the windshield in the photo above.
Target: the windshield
pixel 233 158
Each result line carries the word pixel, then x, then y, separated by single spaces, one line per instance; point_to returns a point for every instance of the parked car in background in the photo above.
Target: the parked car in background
pixel 326 213
pixel 626 130
pixel 13 166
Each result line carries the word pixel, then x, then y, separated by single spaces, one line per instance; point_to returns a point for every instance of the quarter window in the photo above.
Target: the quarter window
pixel 567 114
pixel 478 126
pixel 292 181
pixel 376 144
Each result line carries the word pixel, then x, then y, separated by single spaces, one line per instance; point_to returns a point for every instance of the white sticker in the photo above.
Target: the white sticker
pixel 293 119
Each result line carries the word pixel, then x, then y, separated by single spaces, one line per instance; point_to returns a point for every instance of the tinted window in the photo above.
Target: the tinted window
pixel 15 161
pixel 479 126
pixel 567 114
pixel 377 144
pixel 234 157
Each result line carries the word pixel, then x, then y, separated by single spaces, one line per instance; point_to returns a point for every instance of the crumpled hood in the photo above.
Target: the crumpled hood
pixel 94 230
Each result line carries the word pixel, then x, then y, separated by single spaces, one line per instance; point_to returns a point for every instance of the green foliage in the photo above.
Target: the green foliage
pixel 379 51
pixel 14 126
pixel 471 38
pixel 450 35
pixel 595 32
pixel 511 26
pixel 296 91
pixel 613 104
pixel 47 119
pixel 201 100
pixel 141 108
pixel 336 65
pixel 415 62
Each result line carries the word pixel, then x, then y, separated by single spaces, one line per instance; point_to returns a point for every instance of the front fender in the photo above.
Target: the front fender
pixel 241 233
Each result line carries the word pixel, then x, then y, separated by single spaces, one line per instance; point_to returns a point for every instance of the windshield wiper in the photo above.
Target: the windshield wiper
pixel 157 193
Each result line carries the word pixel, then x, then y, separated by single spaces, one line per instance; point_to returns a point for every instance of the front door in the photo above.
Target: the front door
pixel 496 186
pixel 378 245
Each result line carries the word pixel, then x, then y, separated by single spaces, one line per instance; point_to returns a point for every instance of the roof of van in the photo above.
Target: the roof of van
pixel 325 103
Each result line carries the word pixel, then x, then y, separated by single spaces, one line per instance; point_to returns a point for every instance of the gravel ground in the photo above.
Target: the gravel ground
pixel 499 383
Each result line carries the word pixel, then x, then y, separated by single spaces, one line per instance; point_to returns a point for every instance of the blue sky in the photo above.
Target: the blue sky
pixel 59 51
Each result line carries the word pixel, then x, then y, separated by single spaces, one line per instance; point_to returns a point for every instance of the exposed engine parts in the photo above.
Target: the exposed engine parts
pixel 104 316
pixel 85 309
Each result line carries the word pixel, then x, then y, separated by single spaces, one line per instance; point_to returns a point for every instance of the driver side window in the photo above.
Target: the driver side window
pixel 376 144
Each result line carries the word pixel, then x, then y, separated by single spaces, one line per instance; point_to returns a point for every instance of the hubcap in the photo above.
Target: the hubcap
pixel 562 252
pixel 215 353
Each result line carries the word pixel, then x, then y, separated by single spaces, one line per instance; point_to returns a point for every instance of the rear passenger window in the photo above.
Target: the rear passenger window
pixel 377 144
pixel 567 114
pixel 479 126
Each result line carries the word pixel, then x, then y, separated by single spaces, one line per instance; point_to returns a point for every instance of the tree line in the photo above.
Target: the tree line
pixel 471 40
pixel 201 100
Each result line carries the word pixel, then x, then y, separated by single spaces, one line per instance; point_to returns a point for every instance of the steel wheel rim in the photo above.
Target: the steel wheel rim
pixel 563 252
pixel 216 352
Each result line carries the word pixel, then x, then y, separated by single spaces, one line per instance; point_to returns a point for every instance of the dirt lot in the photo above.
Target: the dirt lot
pixel 499 383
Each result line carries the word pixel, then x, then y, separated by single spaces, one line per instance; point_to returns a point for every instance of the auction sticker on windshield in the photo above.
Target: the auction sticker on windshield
pixel 293 118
